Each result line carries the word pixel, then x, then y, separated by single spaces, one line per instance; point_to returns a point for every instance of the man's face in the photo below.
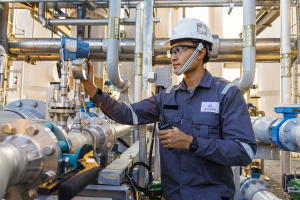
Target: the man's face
pixel 182 55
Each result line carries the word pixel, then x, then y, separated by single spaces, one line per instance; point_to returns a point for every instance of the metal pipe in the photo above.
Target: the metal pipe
pixel 127 46
pixel 81 14
pixel 264 195
pixel 112 58
pixel 285 160
pixel 157 173
pixel 249 52
pixel 138 58
pixel 42 18
pixel 122 130
pixel 11 166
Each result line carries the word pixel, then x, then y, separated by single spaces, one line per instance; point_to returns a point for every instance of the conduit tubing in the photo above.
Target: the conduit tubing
pixel 112 58
pixel 249 52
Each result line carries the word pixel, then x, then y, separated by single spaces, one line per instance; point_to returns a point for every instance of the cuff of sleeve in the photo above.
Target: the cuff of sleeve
pixel 97 97
pixel 202 146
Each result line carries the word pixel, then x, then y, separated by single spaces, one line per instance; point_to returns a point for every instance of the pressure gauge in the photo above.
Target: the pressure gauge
pixel 80 69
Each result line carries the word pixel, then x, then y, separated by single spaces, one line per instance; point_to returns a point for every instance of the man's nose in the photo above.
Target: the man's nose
pixel 174 57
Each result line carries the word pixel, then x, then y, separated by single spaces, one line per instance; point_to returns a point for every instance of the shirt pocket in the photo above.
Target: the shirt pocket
pixel 173 116
pixel 207 126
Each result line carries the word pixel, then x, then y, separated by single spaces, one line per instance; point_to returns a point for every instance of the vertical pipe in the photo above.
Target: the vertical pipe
pixel 237 180
pixel 147 63
pixel 81 14
pixel 285 40
pixel 249 52
pixel 147 45
pixel 3 25
pixel 138 57
pixel 157 173
pixel 112 56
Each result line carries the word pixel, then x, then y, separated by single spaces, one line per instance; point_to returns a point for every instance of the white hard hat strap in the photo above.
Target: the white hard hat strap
pixel 190 60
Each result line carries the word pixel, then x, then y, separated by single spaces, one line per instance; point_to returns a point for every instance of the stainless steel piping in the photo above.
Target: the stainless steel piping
pixel 112 58
pixel 127 46
pixel 249 52
pixel 122 130
pixel 42 18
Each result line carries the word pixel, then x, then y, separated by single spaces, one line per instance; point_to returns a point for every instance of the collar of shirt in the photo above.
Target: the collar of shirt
pixel 204 82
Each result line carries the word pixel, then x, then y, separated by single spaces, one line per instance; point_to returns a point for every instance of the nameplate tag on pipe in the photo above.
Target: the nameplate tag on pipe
pixel 113 27
pixel 249 36
pixel 285 59
pixel 138 63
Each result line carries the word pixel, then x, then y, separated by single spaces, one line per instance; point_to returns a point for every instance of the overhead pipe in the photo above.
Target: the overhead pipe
pixel 112 58
pixel 127 46
pixel 81 14
pixel 249 52
pixel 42 18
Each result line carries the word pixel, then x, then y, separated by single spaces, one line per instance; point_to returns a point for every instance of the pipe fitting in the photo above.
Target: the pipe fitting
pixel 7 128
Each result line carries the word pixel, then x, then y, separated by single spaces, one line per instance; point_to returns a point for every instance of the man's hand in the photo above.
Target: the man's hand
pixel 175 139
pixel 89 85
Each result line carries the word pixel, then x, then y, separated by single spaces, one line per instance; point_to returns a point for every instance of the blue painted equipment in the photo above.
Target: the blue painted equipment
pixel 73 49
pixel 289 112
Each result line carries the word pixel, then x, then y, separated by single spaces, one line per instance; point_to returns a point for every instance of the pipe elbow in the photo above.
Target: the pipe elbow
pixel 120 81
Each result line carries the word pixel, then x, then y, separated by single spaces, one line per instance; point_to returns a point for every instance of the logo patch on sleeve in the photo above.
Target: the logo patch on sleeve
pixel 210 107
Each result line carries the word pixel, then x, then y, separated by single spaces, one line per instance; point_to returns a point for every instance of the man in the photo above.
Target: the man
pixel 211 125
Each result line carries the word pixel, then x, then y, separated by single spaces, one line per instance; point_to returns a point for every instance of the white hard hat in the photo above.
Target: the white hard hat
pixel 191 28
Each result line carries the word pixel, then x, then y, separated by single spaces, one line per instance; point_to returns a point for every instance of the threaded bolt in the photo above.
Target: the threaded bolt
pixel 87 121
pixel 108 145
pixel 100 121
pixel 47 176
pixel 286 141
pixel 18 104
pixel 247 185
pixel 34 104
pixel 48 150
pixel 32 130
pixel 7 128
pixel 262 182
pixel 269 186
pixel 254 181
pixel 243 192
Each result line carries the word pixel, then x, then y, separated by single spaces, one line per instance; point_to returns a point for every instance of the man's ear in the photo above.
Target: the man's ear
pixel 201 54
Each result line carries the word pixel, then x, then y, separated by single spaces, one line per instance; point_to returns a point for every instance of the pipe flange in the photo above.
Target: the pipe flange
pixel 215 51
pixel 262 128
pixel 58 131
pixel 35 107
pixel 40 149
pixel 287 137
pixel 252 186
pixel 103 133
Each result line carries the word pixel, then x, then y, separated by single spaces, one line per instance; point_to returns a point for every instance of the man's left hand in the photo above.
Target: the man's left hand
pixel 175 139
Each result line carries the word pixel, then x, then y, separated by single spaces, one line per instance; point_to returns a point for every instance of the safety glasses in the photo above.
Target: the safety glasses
pixel 179 49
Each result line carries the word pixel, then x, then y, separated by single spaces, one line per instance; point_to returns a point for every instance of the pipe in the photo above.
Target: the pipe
pixel 11 166
pixel 264 195
pixel 226 46
pixel 92 22
pixel 249 52
pixel 42 18
pixel 122 130
pixel 112 58
pixel 157 172
pixel 81 14
pixel 138 58
pixel 285 160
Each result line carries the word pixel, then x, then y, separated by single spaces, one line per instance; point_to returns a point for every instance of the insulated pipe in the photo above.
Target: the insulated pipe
pixel 249 53
pixel 127 46
pixel 285 158
pixel 138 58
pixel 112 58
pixel 264 195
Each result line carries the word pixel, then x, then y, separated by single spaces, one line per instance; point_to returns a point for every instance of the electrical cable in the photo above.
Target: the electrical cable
pixel 123 142
pixel 133 184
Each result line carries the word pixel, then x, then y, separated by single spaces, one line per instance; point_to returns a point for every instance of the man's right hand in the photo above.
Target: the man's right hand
pixel 89 85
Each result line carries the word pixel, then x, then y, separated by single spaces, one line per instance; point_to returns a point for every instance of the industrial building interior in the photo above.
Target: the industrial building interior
pixel 50 129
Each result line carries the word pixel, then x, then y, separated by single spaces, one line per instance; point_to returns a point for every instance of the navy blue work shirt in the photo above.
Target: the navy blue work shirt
pixel 216 114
